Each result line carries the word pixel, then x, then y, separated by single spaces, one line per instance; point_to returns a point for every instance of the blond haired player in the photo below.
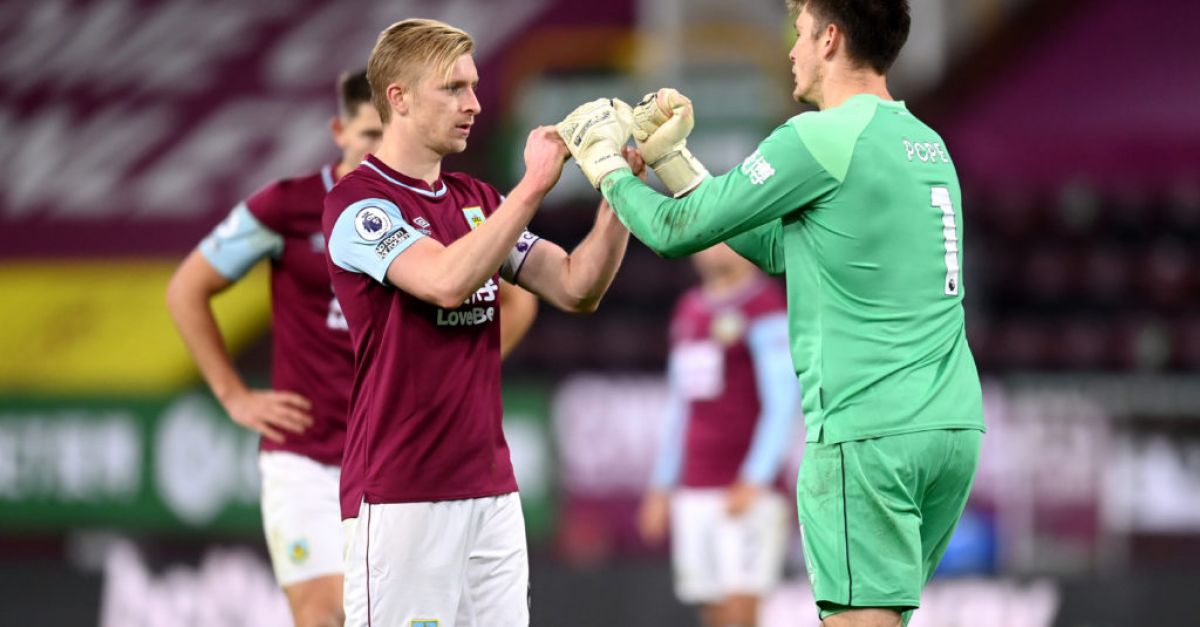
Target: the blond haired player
pixel 302 419
pixel 434 529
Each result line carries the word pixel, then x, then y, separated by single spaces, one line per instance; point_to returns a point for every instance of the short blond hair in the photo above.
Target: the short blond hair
pixel 406 50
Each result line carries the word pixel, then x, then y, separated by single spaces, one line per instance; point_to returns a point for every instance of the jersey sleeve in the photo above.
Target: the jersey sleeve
pixel 779 397
pixel 668 463
pixel 239 242
pixel 779 178
pixel 517 255
pixel 762 246
pixel 369 235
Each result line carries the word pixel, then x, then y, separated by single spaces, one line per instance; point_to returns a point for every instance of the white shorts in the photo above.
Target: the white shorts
pixel 441 564
pixel 716 555
pixel 301 516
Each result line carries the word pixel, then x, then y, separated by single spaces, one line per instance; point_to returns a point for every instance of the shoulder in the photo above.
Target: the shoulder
pixel 358 184
pixel 276 202
pixel 689 302
pixel 830 136
pixel 353 188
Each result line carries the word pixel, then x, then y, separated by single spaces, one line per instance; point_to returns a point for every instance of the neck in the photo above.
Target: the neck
pixel 408 156
pixel 840 86
pixel 343 168
pixel 722 284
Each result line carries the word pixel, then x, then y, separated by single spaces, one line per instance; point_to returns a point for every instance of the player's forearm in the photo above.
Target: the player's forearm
pixel 670 227
pixel 593 264
pixel 191 310
pixel 518 308
pixel 468 262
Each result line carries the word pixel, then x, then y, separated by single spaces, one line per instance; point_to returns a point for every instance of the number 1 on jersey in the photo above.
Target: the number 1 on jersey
pixel 941 200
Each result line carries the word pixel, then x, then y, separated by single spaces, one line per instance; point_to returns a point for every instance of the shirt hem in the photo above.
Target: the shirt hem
pixel 435 497
pixel 830 436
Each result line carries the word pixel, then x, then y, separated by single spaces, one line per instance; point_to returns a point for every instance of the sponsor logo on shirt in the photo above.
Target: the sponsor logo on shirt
pixel 474 216
pixel 393 240
pixel 422 225
pixel 756 167
pixel 372 223
pixel 474 311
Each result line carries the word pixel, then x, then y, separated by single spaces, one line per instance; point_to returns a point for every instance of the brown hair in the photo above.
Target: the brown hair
pixel 406 49
pixel 352 90
pixel 875 29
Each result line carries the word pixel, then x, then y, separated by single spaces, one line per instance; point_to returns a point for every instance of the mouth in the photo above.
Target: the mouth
pixel 464 128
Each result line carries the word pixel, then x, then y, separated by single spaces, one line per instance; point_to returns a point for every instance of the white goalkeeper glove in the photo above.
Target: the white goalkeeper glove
pixel 662 122
pixel 595 133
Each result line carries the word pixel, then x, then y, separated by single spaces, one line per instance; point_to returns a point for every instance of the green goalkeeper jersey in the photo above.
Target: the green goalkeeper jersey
pixel 860 207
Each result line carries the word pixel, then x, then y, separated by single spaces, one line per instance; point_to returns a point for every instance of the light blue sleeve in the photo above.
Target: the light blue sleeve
pixel 239 242
pixel 369 235
pixel 669 463
pixel 779 396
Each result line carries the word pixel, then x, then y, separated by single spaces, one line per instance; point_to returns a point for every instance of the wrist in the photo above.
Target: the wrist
pixel 528 191
pixel 229 392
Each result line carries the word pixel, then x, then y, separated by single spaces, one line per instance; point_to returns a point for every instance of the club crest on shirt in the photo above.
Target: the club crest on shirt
pixel 727 327
pixel 298 551
pixel 372 223
pixel 474 216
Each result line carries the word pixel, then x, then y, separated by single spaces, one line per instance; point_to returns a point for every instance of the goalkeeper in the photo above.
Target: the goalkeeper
pixel 859 204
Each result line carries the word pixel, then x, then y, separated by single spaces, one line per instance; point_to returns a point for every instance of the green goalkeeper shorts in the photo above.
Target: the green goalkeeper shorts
pixel 876 514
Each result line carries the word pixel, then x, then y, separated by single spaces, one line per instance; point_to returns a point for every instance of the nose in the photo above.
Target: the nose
pixel 472 105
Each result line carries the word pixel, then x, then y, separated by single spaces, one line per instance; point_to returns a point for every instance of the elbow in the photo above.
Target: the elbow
pixel 448 293
pixel 578 304
pixel 177 294
pixel 448 297
pixel 674 250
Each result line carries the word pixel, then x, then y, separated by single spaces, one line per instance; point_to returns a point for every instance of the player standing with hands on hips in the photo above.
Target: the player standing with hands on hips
pixel 433 525
pixel 732 398
pixel 859 204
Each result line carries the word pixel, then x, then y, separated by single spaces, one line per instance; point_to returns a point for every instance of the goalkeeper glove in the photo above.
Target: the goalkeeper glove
pixel 594 133
pixel 662 122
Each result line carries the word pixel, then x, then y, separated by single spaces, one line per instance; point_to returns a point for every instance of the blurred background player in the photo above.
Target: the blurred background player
pixel 435 534
pixel 860 204
pixel 302 418
pixel 733 397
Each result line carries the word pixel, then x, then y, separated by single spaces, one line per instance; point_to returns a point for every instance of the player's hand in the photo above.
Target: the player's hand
pixel 662 122
pixel 740 496
pixel 633 157
pixel 545 154
pixel 654 109
pixel 594 133
pixel 654 516
pixel 270 412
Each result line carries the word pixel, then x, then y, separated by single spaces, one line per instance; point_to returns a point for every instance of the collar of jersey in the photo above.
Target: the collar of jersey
pixel 327 177
pixel 395 178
